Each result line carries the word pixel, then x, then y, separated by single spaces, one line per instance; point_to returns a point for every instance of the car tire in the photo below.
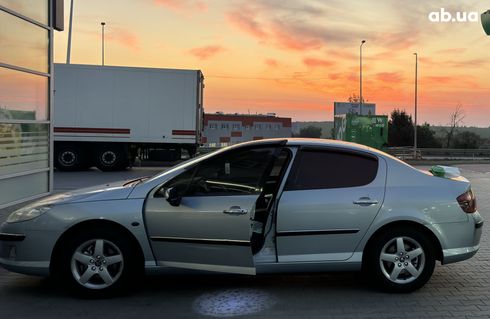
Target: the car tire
pixel 111 158
pixel 70 158
pixel 97 262
pixel 400 260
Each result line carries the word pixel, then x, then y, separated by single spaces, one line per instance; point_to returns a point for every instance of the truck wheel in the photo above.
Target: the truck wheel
pixel 70 158
pixel 111 158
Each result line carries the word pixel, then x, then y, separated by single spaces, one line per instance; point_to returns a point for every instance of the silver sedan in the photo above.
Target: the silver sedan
pixel 271 206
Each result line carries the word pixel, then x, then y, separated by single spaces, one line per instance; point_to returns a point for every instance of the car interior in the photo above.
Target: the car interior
pixel 264 205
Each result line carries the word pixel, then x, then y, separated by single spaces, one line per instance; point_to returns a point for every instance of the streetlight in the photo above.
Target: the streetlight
pixel 360 77
pixel 68 48
pixel 415 129
pixel 103 25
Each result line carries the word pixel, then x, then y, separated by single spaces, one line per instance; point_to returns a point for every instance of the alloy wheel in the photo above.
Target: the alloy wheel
pixel 97 264
pixel 402 260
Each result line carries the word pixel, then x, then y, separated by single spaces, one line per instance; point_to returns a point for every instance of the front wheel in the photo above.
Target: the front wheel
pixel 400 260
pixel 96 262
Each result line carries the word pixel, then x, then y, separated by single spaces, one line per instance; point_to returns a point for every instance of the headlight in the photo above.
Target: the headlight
pixel 27 213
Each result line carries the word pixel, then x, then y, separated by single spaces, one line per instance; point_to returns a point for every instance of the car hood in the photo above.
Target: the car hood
pixel 112 191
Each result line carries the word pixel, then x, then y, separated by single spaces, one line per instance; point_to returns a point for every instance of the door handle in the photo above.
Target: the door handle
pixel 235 210
pixel 365 201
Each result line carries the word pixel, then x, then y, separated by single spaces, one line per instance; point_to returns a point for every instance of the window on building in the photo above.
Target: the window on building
pixel 321 170
pixel 213 126
pixel 25 120
pixel 224 126
pixel 26 44
pixel 258 126
pixel 35 9
pixel 236 126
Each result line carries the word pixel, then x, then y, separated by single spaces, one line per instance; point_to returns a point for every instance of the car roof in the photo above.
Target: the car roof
pixel 313 142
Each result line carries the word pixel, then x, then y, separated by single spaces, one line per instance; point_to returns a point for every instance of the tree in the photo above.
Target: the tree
pixel 400 129
pixel 426 138
pixel 456 119
pixel 466 139
pixel 311 131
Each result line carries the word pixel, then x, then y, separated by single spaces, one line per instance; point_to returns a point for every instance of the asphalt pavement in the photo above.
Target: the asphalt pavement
pixel 460 290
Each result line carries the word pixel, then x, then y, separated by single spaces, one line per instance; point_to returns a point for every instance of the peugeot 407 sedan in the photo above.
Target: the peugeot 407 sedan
pixel 270 206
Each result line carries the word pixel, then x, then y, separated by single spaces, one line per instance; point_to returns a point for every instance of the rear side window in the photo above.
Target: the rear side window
pixel 331 169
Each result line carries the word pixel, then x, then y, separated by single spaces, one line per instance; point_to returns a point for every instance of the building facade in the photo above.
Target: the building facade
pixel 227 129
pixel 26 64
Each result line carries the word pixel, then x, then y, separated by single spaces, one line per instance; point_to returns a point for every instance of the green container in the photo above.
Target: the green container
pixel 369 130
pixel 437 171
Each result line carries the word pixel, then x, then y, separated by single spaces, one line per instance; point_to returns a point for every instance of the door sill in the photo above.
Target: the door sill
pixel 209 267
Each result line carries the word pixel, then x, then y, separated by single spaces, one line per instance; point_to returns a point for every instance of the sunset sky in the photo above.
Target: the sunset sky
pixel 296 57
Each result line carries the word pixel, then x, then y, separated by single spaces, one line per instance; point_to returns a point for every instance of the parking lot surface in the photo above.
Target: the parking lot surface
pixel 460 290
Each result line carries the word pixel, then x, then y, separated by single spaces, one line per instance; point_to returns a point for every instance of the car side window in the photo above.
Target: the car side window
pixel 240 172
pixel 323 169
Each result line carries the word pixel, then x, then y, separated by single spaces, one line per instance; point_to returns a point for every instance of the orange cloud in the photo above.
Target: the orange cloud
pixel 312 62
pixel 182 5
pixel 244 19
pixel 118 35
pixel 471 63
pixel 288 39
pixel 449 82
pixel 271 62
pixel 124 37
pixel 206 52
pixel 452 51
pixel 390 77
pixel 272 30
pixel 342 54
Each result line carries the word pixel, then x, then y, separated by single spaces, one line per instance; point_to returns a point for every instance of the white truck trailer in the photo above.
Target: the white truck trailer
pixel 106 116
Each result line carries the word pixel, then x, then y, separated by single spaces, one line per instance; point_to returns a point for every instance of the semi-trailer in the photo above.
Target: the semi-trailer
pixel 107 116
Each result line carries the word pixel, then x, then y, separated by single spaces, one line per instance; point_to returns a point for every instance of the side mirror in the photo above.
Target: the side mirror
pixel 172 196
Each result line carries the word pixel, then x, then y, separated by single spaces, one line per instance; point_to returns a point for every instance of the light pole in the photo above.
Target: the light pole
pixel 360 77
pixel 68 48
pixel 103 25
pixel 415 129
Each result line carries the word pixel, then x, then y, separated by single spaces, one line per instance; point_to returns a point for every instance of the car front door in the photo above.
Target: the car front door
pixel 201 219
pixel 330 199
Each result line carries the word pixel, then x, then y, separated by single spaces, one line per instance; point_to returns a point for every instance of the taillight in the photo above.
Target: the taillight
pixel 467 202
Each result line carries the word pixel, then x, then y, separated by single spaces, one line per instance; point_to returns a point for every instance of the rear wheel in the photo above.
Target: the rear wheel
pixel 400 260
pixel 70 158
pixel 97 262
pixel 111 157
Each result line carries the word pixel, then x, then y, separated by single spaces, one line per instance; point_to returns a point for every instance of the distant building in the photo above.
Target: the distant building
pixel 226 129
